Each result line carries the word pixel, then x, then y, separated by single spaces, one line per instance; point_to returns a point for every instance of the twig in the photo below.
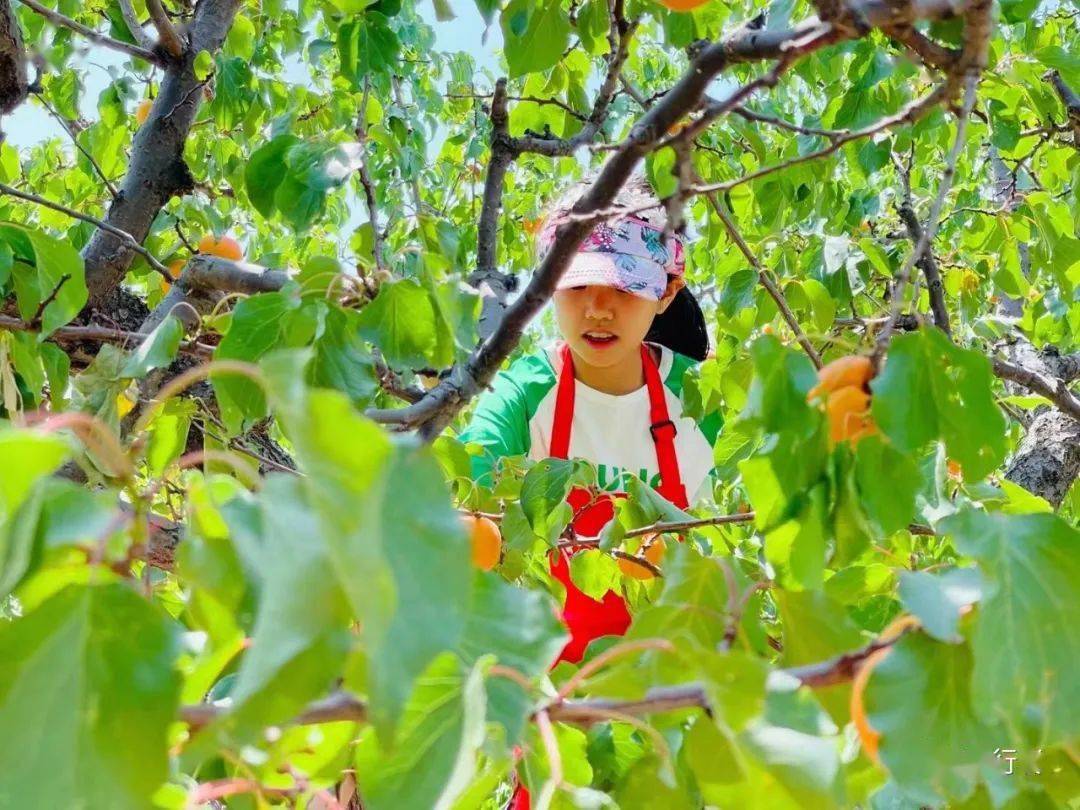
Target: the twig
pixel 56 18
pixel 140 36
pixel 765 279
pixel 75 140
pixel 971 82
pixel 168 35
pixel 35 322
pixel 365 179
pixel 124 236
pixel 926 262
pixel 99 334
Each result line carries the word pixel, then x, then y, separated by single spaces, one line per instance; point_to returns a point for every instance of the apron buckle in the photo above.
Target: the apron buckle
pixel 667 423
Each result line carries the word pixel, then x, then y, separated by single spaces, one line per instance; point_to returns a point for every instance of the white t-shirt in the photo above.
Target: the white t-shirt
pixel 609 430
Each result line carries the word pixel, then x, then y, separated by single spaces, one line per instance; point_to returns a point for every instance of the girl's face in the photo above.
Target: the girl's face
pixel 605 326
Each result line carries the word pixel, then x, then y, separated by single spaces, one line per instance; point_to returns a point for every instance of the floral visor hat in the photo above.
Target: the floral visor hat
pixel 629 254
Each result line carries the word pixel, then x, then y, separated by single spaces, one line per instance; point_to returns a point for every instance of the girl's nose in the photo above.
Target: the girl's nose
pixel 598 303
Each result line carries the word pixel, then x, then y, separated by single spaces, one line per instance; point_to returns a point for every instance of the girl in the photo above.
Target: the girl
pixel 608 392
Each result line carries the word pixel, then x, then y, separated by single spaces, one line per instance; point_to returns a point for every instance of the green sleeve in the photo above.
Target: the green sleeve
pixel 500 425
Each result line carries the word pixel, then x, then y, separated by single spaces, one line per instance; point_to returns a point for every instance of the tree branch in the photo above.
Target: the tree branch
pixel 342 706
pixel 1053 389
pixel 58 19
pixel 140 36
pixel 167 35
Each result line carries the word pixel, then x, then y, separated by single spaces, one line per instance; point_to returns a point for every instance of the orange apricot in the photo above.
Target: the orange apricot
pixel 486 541
pixel 848 411
pixel 226 247
pixel 142 112
pixel 855 370
pixel 653 552
pixel 176 266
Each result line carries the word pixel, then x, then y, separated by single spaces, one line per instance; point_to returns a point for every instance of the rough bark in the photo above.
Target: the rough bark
pixel 157 171
pixel 1048 459
pixel 13 76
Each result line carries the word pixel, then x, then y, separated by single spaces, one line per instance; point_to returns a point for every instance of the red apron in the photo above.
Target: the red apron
pixel 585 617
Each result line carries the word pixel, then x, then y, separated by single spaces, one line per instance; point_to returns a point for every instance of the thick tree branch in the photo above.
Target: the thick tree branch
pixel 493 284
pixel 1054 389
pixel 157 171
pixel 14 81
pixel 58 19
pixel 1070 99
pixel 99 334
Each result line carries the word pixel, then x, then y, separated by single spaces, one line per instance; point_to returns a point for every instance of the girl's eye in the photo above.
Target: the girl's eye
pixel 582 287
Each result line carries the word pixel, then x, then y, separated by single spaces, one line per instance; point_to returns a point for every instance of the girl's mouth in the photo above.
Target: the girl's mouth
pixel 599 340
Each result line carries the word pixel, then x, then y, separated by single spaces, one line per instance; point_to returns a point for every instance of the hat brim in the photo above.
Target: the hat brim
pixel 632 274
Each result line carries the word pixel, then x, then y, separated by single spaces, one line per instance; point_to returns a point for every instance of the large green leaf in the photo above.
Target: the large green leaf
pixel 1031 609
pixel 366 44
pixel 301 633
pixel 157 349
pixel 929 682
pixel 933 389
pixel 534 35
pixel 433 757
pixel 521 630
pixel 405 324
pixel 41 263
pixel 87 690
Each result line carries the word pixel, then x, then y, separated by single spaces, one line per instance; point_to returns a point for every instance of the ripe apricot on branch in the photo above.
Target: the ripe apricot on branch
pixel 653 552
pixel 682 5
pixel 853 370
pixel 142 112
pixel 486 541
pixel 867 735
pixel 226 247
pixel 176 266
pixel 848 409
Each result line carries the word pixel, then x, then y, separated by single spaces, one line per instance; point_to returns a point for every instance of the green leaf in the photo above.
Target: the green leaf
pixel 42 263
pixel 28 456
pixel 433 758
pixel 887 481
pixel 816 628
pixel 404 323
pixel 923 678
pixel 203 65
pixel 301 629
pixel 543 497
pixel 366 45
pixel 937 599
pixel 932 389
pixel 521 630
pixel 157 350
pixel 534 35
pixel 264 171
pixel 738 292
pixel 255 329
pixel 341 360
pixel 87 690
pixel 1030 608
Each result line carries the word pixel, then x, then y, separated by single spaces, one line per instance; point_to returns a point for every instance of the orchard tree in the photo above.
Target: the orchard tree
pixel 246 309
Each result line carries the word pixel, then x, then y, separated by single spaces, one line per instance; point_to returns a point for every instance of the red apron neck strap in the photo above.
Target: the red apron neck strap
pixel 564 405
pixel 663 432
